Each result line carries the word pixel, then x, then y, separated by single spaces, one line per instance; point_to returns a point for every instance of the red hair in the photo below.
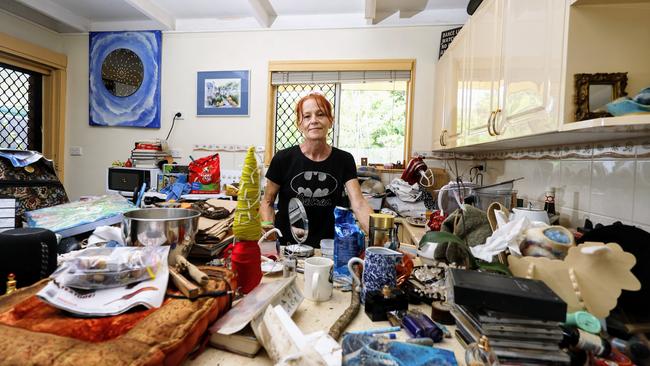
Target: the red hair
pixel 323 105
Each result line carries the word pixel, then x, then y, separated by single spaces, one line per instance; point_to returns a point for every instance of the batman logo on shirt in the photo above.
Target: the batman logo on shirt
pixel 313 184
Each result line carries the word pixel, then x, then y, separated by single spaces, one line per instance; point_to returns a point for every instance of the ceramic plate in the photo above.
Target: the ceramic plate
pixel 271 267
pixel 416 221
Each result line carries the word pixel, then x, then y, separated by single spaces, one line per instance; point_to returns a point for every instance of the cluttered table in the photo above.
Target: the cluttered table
pixel 313 316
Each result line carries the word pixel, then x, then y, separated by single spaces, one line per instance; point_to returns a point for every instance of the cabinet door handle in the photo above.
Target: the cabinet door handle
pixel 442 137
pixel 489 123
pixel 494 123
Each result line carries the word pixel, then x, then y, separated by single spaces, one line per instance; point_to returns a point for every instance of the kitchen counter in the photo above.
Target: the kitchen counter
pixel 312 316
pixel 410 234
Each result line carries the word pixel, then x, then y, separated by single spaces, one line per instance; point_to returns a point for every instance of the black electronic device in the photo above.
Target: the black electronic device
pixel 125 180
pixel 28 253
pixel 519 296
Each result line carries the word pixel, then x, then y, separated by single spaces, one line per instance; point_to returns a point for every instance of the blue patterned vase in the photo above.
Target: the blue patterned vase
pixel 378 269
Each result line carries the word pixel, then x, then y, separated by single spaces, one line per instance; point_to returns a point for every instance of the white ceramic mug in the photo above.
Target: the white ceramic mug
pixel 318 278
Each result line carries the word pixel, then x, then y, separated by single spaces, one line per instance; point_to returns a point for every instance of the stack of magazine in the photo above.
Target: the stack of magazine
pixel 514 339
pixel 147 153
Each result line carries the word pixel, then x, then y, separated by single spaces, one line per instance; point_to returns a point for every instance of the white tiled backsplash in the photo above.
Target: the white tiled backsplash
pixel 605 182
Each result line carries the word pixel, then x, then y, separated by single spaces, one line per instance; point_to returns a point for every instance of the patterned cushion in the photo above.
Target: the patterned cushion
pixel 32 332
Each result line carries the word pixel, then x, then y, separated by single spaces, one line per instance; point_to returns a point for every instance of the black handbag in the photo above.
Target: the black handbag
pixel 28 253
pixel 34 186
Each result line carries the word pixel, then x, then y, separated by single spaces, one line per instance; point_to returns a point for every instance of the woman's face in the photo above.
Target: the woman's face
pixel 314 123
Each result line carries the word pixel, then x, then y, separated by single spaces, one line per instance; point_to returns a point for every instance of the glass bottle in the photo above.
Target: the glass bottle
pixel 549 200
pixel 578 338
pixel 480 354
pixel 633 347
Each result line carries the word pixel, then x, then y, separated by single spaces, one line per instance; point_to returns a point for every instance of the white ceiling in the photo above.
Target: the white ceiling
pixel 74 16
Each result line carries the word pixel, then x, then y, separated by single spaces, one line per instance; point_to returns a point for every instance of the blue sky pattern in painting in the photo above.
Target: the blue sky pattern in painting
pixel 142 108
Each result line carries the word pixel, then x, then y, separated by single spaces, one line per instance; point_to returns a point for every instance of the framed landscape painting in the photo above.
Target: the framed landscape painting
pixel 222 93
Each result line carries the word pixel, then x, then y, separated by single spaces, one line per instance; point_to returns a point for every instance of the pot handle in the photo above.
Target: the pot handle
pixel 266 234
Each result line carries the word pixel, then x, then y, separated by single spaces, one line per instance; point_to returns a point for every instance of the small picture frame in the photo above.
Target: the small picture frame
pixel 594 91
pixel 222 93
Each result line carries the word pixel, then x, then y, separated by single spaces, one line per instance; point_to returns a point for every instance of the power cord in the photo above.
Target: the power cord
pixel 177 115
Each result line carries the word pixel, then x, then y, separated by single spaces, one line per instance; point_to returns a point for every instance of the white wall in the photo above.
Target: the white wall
pixel 30 32
pixel 186 53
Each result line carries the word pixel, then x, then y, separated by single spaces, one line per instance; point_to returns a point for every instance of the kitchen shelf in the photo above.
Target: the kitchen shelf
pixel 607 2
pixel 593 130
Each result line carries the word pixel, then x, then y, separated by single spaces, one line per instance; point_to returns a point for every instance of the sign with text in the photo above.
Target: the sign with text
pixel 446 37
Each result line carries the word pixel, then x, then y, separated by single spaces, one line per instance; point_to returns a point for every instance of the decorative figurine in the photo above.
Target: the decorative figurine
pixel 11 283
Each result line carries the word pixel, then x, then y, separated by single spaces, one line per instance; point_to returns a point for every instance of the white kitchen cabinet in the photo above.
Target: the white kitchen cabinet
pixel 530 68
pixel 516 69
pixel 483 57
pixel 521 56
pixel 442 69
pixel 450 94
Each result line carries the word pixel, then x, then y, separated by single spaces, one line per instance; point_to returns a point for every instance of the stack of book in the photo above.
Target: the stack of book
pixel 514 339
pixel 520 317
pixel 7 213
pixel 148 153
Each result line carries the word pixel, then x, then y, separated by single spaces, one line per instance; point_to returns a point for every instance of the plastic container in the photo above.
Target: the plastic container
pixel 452 195
pixel 327 248
pixel 99 268
pixel 486 197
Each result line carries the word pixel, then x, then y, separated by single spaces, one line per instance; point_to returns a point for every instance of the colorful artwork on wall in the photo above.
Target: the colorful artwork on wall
pixel 222 93
pixel 125 74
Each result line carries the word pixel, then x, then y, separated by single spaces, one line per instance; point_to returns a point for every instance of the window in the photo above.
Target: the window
pixel 370 99
pixel 50 67
pixel 372 120
pixel 20 109
pixel 286 97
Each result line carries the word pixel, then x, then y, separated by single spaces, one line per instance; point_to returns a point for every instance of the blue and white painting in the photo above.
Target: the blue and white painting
pixel 142 107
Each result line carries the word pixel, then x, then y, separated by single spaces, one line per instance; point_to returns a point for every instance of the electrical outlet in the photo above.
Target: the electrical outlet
pixel 176 153
pixel 76 151
pixel 181 112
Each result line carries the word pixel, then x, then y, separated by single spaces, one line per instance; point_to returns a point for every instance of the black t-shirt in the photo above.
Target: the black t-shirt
pixel 318 184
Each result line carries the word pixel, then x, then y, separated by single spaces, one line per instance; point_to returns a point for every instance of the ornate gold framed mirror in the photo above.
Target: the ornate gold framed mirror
pixel 594 91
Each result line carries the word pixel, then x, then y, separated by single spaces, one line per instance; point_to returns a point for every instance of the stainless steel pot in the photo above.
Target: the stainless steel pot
pixel 175 227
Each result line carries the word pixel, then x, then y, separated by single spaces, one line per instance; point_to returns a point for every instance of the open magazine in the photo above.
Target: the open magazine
pixel 111 301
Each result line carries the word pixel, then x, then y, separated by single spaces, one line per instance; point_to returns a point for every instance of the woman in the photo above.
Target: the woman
pixel 316 173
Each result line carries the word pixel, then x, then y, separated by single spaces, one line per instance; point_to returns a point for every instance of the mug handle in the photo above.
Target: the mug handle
pixel 314 286
pixel 355 278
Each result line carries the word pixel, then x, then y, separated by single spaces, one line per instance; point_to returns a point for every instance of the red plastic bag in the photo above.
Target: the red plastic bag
pixel 205 175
